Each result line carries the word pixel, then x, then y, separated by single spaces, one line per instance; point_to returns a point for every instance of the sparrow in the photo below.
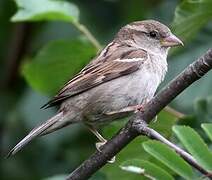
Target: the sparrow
pixel 122 78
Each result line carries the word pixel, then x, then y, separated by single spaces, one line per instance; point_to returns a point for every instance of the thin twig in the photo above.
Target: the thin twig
pixel 18 46
pixel 192 73
pixel 174 112
pixel 88 34
pixel 143 128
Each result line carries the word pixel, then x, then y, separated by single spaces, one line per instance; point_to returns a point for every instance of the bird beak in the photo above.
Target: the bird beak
pixel 170 41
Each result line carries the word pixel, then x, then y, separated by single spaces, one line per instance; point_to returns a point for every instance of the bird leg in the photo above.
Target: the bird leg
pixel 102 141
pixel 97 134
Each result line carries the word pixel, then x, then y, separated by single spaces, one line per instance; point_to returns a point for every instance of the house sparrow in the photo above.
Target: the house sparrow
pixel 121 78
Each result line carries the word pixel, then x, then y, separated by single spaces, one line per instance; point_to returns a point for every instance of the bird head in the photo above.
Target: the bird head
pixel 150 35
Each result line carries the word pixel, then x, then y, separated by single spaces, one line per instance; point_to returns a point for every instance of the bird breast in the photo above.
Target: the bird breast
pixel 129 90
pixel 133 89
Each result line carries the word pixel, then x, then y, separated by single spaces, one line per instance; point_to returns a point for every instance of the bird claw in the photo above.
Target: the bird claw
pixel 98 145
pixel 139 108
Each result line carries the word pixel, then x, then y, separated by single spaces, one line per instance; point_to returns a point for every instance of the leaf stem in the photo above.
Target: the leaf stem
pixel 88 34
pixel 174 112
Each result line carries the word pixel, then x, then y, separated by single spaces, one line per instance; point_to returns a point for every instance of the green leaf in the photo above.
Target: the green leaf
pixel 129 152
pixel 195 145
pixel 98 176
pixel 57 177
pixel 163 124
pixel 202 109
pixel 169 157
pixel 145 168
pixel 39 10
pixel 56 63
pixel 190 16
pixel 208 129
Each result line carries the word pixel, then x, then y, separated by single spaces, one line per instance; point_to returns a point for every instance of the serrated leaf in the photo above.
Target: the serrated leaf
pixel 190 16
pixel 145 167
pixel 40 10
pixel 56 63
pixel 195 145
pixel 208 129
pixel 169 157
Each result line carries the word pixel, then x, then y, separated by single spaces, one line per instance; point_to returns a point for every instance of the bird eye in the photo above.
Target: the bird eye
pixel 153 34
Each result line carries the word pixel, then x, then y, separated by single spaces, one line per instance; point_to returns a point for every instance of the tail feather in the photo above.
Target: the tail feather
pixel 35 133
pixel 58 125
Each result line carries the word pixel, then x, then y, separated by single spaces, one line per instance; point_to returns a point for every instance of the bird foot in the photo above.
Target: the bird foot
pixel 98 146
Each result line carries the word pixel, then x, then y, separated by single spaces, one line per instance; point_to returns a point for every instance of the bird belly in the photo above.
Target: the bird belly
pixel 130 90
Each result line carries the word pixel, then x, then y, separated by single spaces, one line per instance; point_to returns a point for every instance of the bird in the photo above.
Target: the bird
pixel 121 79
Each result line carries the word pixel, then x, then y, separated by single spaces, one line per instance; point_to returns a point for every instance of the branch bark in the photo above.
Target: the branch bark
pixel 17 48
pixel 192 73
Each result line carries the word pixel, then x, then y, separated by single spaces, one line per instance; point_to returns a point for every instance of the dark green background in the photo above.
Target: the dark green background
pixel 61 152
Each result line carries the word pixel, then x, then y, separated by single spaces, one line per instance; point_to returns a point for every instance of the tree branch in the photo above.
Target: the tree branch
pixel 17 48
pixel 192 73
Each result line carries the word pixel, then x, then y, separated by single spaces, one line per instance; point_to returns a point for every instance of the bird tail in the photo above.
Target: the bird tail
pixel 39 131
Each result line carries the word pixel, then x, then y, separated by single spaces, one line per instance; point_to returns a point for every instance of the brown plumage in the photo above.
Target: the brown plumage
pixel 124 75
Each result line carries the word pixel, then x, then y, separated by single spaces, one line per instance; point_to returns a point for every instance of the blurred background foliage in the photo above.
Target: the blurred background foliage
pixel 43 47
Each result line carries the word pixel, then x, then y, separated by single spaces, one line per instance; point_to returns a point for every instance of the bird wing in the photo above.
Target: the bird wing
pixel 95 74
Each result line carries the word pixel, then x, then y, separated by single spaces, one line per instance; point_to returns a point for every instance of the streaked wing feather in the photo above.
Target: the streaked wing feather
pixel 99 73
